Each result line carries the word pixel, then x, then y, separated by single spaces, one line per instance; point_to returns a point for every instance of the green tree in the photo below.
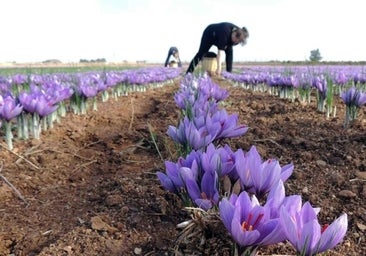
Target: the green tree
pixel 315 55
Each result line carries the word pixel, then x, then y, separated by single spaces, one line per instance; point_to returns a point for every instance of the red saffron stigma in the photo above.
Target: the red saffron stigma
pixel 324 228
pixel 259 218
pixel 246 224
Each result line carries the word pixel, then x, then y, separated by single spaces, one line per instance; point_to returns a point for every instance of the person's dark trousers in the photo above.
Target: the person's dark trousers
pixel 200 54
pixel 206 43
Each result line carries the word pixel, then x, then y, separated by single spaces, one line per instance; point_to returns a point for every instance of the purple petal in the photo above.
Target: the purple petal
pixel 226 213
pixel 334 234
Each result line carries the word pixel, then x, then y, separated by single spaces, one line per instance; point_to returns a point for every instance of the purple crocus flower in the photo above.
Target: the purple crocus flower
pixel 167 182
pixel 28 101
pixel 201 134
pixel 38 101
pixel 193 136
pixel 248 222
pixel 211 90
pixel 59 92
pixel 333 234
pixel 199 100
pixel 203 122
pixel 229 124
pixel 341 78
pixel 320 83
pixel 220 159
pixel 259 177
pixel 204 193
pixel 9 108
pixel 44 106
pixel 304 232
pixel 359 78
pixel 185 97
pixel 88 91
pixel 5 85
pixel 353 97
pixel 202 107
pixel 172 179
pixel 295 81
pixel 200 185
pixel 265 176
pixel 243 167
pixel 277 199
pixel 19 79
pixel 177 133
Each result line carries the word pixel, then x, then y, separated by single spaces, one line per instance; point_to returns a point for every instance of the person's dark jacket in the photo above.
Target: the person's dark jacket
pixel 218 34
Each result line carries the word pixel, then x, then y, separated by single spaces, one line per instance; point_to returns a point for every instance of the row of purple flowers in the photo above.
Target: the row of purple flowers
pixel 347 82
pixel 253 207
pixel 32 103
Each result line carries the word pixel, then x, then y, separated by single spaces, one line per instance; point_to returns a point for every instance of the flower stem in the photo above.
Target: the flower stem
pixel 8 135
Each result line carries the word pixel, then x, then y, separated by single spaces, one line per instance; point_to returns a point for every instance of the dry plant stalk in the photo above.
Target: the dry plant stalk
pixel 21 157
pixel 196 228
pixel 12 186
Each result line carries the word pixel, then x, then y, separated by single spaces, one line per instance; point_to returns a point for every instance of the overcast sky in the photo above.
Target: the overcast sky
pixel 70 30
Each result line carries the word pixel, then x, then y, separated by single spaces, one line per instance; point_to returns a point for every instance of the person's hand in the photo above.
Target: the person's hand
pixel 218 72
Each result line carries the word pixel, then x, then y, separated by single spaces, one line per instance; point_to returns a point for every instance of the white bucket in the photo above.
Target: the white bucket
pixel 173 64
pixel 209 64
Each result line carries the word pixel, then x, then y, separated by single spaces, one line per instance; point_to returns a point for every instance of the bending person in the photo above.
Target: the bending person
pixel 224 36
pixel 173 57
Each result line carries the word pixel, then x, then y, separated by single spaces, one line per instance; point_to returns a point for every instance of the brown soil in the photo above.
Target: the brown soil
pixel 89 185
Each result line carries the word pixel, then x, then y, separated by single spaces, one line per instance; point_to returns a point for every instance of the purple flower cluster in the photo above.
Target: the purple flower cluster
pixel 38 101
pixel 257 212
pixel 299 81
pixel 252 225
pixel 302 229
pixel 249 223
pixel 198 175
pixel 9 108
pixel 29 100
pixel 257 176
pixel 354 98
pixel 203 122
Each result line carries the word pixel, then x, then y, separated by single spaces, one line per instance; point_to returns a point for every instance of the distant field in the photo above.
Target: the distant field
pixel 41 68
pixel 46 68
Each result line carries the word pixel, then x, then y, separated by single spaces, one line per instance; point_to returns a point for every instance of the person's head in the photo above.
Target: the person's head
pixel 239 36
pixel 175 53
